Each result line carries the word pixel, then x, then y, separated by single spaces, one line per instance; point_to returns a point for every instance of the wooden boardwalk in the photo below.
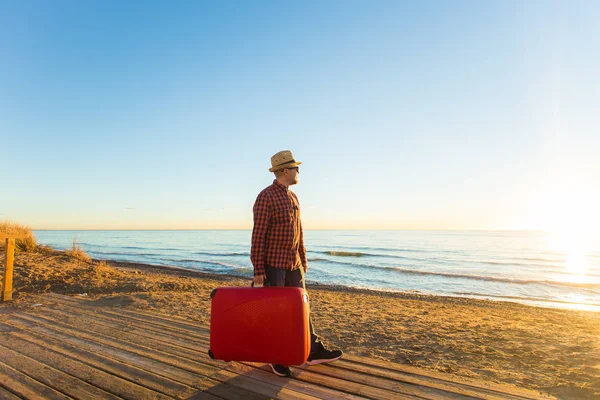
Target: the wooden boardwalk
pixel 75 348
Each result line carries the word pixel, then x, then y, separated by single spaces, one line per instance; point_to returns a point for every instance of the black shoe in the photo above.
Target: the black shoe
pixel 323 355
pixel 280 370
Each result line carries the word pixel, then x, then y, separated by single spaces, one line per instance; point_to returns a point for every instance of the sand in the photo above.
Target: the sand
pixel 552 350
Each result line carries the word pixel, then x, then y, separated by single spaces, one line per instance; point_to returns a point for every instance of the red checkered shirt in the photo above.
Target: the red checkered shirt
pixel 277 238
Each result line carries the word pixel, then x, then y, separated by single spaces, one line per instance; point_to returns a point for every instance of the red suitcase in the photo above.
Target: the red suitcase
pixel 266 324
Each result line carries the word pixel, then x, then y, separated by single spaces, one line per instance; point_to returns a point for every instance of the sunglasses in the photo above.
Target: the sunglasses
pixel 296 168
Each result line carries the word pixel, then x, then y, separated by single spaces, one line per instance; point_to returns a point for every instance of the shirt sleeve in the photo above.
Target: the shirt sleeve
pixel 262 215
pixel 302 250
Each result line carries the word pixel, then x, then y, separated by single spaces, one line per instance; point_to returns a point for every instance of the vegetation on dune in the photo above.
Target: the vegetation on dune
pixel 24 240
pixel 78 253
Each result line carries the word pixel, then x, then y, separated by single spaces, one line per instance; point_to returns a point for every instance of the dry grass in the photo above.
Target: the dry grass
pixel 24 240
pixel 78 253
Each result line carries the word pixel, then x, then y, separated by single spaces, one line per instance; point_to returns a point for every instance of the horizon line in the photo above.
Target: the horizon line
pixel 306 229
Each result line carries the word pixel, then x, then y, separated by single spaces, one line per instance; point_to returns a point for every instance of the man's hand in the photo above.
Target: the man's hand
pixel 259 280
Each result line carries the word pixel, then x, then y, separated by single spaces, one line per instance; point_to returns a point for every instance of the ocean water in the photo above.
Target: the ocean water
pixel 534 268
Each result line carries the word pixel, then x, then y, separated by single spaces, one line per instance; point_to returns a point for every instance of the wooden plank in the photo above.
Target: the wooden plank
pixel 146 379
pixel 53 379
pixel 7 280
pixel 109 330
pixel 223 390
pixel 216 372
pixel 197 361
pixel 86 381
pixel 189 340
pixel 500 388
pixel 56 324
pixel 134 331
pixel 4 393
pixel 347 386
pixel 204 396
pixel 7 328
pixel 119 354
pixel 262 388
pixel 137 328
pixel 111 325
pixel 211 386
pixel 410 388
pixel 144 316
pixel 134 346
pixel 393 372
pixel 446 389
pixel 254 371
pixel 26 387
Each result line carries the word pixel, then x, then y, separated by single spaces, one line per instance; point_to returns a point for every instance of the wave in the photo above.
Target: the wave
pixel 90 244
pixel 218 263
pixel 103 246
pixel 496 279
pixel 225 254
pixel 409 271
pixel 357 254
pixel 344 253
pixel 541 259
pixel 150 248
pixel 439 260
pixel 525 298
pixel 126 254
pixel 367 249
pixel 449 261
pixel 509 264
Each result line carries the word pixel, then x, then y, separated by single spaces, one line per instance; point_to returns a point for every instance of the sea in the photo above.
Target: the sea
pixel 534 268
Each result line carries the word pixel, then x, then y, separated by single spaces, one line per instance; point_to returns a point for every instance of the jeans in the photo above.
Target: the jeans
pixel 295 278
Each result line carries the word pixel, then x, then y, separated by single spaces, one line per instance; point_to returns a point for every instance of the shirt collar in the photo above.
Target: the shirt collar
pixel 279 185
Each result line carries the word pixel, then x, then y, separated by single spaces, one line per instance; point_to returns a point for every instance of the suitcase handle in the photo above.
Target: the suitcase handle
pixel 265 284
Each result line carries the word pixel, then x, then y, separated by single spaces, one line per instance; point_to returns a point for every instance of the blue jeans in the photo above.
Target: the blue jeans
pixel 295 278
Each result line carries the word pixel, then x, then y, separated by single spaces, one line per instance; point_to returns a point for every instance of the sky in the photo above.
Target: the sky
pixel 406 115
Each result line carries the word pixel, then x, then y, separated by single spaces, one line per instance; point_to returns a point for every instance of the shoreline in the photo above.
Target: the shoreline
pixel 413 294
pixel 553 350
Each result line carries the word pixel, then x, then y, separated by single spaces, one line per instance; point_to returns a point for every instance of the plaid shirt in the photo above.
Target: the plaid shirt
pixel 277 238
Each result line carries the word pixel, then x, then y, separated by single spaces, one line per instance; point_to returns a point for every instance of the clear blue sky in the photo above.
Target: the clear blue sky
pixel 409 115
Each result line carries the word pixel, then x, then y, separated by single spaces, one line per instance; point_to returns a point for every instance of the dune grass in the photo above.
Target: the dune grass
pixel 24 240
pixel 78 253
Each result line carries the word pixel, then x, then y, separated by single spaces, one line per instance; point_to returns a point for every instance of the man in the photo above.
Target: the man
pixel 278 252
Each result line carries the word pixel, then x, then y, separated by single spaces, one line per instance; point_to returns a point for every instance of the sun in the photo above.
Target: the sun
pixel 576 245
pixel 567 205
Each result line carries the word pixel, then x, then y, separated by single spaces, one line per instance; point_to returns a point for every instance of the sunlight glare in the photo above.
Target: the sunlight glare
pixel 575 245
pixel 567 207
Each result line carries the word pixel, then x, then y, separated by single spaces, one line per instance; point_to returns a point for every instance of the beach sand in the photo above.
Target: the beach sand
pixel 552 350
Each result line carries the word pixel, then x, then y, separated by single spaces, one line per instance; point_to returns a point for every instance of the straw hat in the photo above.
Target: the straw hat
pixel 283 159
